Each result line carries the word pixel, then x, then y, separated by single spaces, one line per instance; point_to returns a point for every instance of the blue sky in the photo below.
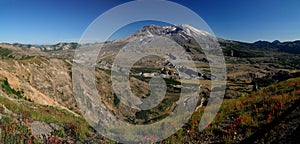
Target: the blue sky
pixel 53 21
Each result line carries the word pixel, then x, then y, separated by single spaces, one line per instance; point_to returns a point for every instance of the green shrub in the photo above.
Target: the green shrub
pixel 4 53
pixel 9 90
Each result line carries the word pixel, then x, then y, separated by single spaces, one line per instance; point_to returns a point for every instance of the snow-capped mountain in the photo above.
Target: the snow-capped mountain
pixel 182 34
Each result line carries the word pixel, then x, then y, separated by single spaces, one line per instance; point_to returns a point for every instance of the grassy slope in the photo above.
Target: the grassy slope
pixel 246 118
pixel 16 130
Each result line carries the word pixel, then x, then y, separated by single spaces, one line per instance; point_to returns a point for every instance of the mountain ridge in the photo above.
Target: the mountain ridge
pixel 177 33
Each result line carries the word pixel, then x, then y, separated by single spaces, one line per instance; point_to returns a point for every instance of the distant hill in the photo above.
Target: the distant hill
pixel 290 47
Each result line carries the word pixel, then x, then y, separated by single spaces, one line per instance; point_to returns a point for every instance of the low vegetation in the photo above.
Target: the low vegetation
pixel 14 124
pixel 9 90
pixel 239 119
pixel 5 53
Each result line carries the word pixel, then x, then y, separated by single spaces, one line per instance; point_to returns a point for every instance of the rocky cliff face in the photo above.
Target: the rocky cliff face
pixel 42 79
pixel 45 81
